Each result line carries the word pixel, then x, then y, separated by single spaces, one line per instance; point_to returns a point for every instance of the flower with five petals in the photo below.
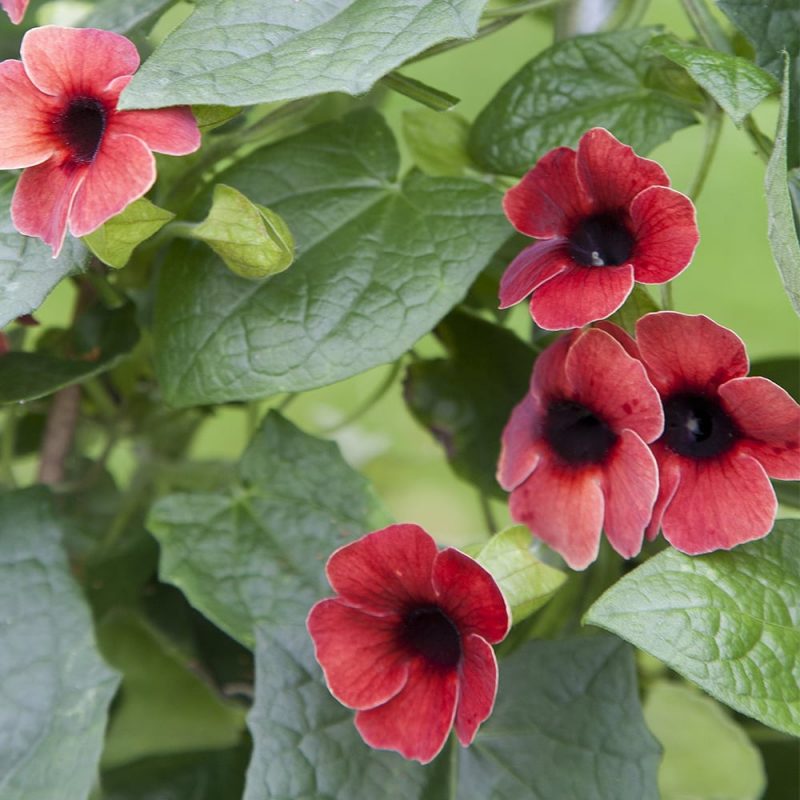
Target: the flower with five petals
pixel 84 160
pixel 407 641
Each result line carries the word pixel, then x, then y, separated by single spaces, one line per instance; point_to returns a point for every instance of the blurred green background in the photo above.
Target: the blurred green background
pixel 733 279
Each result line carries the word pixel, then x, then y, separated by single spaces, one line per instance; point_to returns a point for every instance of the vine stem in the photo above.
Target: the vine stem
pixel 713 132
pixel 62 419
pixel 372 400
pixel 488 514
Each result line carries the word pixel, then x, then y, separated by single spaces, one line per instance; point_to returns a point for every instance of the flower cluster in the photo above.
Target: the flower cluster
pixel 664 431
pixel 622 435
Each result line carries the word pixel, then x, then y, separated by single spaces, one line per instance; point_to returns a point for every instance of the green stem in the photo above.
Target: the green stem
pixel 372 400
pixel 488 515
pixel 9 440
pixel 713 132
pixel 452 44
pixel 763 143
pixel 253 411
pixel 518 9
pixel 706 26
pixel 419 91
pixel 287 401
pixel 666 296
pixel 110 296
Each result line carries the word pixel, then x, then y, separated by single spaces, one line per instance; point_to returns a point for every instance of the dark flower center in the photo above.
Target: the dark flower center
pixel 697 426
pixel 431 633
pixel 576 433
pixel 81 127
pixel 602 240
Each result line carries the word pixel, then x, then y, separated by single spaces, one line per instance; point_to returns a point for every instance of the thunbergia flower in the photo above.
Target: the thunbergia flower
pixel 407 641
pixel 606 218
pixel 724 433
pixel 574 452
pixel 86 161
pixel 15 9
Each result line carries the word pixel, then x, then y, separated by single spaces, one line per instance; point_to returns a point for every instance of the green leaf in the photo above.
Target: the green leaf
pixel 28 271
pixel 105 338
pixel 577 84
pixel 639 303
pixel 438 141
pixel 253 241
pixel 378 266
pixel 771 27
pixel 210 775
pixel 251 52
pixel 783 370
pixel 706 754
pixel 114 242
pixel 466 399
pixel 567 724
pixel 164 707
pixel 526 582
pixel 728 621
pixel 305 744
pixel 111 15
pixel 736 84
pixel 782 229
pixel 256 555
pixel 55 688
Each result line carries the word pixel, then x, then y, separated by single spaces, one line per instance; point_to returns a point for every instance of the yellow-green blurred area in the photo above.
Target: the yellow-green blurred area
pixel 733 279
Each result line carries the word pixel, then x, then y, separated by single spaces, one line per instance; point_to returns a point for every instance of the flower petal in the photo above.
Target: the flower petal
pixel 685 352
pixel 172 131
pixel 531 268
pixel 520 449
pixel 359 653
pixel 123 170
pixel 76 60
pixel 611 172
pixel 669 476
pixel 580 295
pixel 470 596
pixel 415 722
pixel 15 10
pixel 719 503
pixel 630 487
pixel 614 385
pixel 385 570
pixel 564 508
pixel 548 198
pixel 549 376
pixel 478 687
pixel 43 198
pixel 26 136
pixel 665 230
pixel 622 336
pixel 770 419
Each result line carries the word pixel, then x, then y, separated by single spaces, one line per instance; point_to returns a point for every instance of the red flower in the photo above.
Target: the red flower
pixel 15 9
pixel 407 640
pixel 723 435
pixel 606 218
pixel 574 452
pixel 86 161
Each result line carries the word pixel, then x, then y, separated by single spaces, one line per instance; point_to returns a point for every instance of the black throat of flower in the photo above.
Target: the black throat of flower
pixel 696 426
pixel 81 127
pixel 576 434
pixel 428 631
pixel 602 240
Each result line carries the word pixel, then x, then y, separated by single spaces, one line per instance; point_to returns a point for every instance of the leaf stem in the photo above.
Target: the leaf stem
pixel 62 419
pixel 419 91
pixel 705 26
pixel 452 44
pixel 666 296
pixel 100 397
pixel 488 514
pixel 518 9
pixel 382 388
pixel 713 132
pixel 9 440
